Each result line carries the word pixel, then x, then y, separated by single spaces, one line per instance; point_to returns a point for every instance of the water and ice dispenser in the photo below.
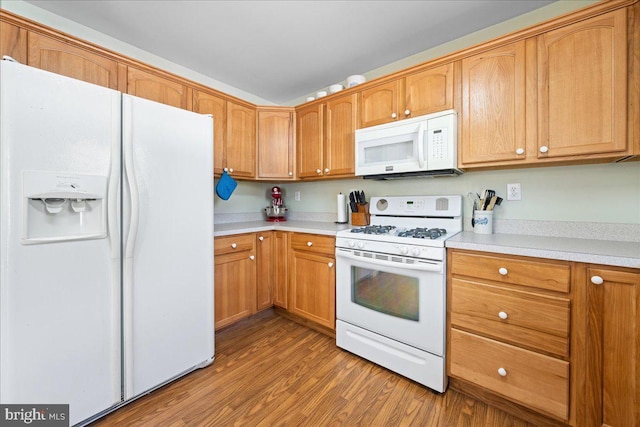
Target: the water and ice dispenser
pixel 60 206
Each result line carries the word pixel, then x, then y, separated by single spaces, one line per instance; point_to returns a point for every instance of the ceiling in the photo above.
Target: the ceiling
pixel 283 50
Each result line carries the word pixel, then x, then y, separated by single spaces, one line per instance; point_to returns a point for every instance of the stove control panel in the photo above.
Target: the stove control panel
pixel 405 250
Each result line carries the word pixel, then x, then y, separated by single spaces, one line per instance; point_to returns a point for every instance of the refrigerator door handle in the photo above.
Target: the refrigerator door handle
pixel 113 191
pixel 129 244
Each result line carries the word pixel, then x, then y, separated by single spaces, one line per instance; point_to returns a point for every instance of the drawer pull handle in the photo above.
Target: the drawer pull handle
pixel 597 280
pixel 330 264
pixel 261 238
pixel 251 257
pixel 309 244
pixel 503 271
pixel 233 245
pixel 502 372
pixel 503 315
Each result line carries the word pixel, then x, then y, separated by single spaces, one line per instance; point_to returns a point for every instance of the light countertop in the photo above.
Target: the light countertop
pixel 315 227
pixel 622 254
pixel 606 252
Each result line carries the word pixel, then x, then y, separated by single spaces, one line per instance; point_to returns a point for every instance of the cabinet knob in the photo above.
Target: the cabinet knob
pixel 544 149
pixel 502 372
pixel 233 245
pixel 407 112
pixel 520 151
pixel 290 173
pixel 318 171
pixel 503 315
pixel 326 170
pixel 230 170
pixel 330 264
pixel 261 238
pixel 225 169
pixel 251 257
pixel 394 115
pixel 597 280
pixel 503 271
pixel 309 244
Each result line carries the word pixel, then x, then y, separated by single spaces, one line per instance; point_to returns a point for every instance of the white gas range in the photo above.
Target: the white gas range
pixel 390 285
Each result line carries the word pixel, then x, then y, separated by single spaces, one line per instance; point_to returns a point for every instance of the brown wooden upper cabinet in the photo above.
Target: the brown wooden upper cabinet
pixel 416 94
pixel 207 103
pixel 13 42
pixel 155 88
pixel 310 140
pixel 582 85
pixel 493 122
pixel 71 61
pixel 326 137
pixel 241 141
pixel 276 143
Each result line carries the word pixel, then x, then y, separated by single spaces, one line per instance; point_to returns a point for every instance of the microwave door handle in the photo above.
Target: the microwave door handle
pixel 421 145
pixel 420 266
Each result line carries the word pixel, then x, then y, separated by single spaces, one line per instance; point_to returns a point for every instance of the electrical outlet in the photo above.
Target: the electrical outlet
pixel 296 196
pixel 513 192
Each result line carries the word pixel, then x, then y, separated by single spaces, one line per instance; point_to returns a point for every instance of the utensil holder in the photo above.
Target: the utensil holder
pixel 362 216
pixel 483 222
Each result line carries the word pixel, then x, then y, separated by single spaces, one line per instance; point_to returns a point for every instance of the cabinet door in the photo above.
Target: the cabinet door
pixel 312 287
pixel 234 287
pixel 309 141
pixel 275 145
pixel 62 58
pixel 13 42
pixel 205 103
pixel 613 347
pixel 428 91
pixel 582 82
pixel 241 140
pixel 379 104
pixel 280 268
pixel 493 106
pixel 155 88
pixel 265 267
pixel 339 144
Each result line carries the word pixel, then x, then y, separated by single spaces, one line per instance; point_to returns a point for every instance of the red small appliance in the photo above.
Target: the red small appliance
pixel 277 211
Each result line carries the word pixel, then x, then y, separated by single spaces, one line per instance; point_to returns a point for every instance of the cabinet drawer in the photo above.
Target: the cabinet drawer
pixel 523 318
pixel 536 274
pixel 313 242
pixel 236 243
pixel 534 380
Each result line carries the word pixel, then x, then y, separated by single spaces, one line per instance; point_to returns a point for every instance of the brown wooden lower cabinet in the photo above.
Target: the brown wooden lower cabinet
pixel 234 278
pixel 548 353
pixel 264 270
pixel 280 268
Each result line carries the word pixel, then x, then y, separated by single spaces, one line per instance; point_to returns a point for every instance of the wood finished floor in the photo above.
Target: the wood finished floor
pixel 270 371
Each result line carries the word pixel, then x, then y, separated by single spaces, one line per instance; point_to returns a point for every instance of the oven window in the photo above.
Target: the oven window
pixel 387 293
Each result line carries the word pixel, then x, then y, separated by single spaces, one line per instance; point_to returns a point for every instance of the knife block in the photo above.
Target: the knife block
pixel 362 216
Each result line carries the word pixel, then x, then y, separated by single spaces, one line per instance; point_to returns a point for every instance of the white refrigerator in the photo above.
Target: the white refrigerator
pixel 106 243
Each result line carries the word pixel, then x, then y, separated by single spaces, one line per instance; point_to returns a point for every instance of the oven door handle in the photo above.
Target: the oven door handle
pixel 421 266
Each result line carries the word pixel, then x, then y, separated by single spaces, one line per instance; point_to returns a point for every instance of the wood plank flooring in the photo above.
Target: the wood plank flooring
pixel 270 371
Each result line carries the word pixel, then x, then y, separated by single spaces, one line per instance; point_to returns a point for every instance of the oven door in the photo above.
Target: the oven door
pixel 398 297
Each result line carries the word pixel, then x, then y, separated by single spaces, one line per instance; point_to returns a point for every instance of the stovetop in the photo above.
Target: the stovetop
pixel 407 226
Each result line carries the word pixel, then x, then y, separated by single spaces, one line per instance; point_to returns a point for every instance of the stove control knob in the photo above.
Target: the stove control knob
pixel 404 250
pixel 351 243
pixel 361 245
pixel 416 251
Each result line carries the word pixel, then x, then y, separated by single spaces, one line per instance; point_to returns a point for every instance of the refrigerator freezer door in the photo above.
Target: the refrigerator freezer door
pixel 59 301
pixel 168 243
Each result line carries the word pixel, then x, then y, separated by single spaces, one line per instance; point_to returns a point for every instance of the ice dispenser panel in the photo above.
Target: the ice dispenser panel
pixel 60 206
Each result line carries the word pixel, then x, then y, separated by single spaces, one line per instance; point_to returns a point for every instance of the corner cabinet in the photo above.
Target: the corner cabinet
pixel 312 278
pixel 280 262
pixel 416 94
pixel 582 85
pixel 234 278
pixel 612 346
pixel 13 42
pixel 276 143
pixel 310 140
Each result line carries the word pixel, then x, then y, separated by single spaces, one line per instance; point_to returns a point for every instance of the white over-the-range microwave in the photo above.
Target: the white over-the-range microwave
pixel 420 146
